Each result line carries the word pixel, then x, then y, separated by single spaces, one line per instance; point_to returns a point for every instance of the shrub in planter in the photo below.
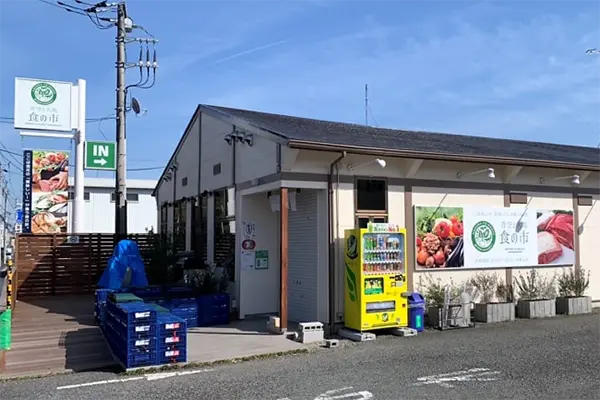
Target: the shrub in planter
pixel 572 285
pixel 495 301
pixel 210 286
pixel 537 295
pixel 434 292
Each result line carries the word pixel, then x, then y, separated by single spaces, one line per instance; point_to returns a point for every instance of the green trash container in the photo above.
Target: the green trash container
pixel 5 328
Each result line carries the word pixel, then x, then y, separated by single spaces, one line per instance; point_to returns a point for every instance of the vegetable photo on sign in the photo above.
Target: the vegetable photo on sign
pixel 439 237
pixel 555 237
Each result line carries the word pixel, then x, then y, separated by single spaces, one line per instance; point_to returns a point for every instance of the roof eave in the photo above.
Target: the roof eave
pixel 309 145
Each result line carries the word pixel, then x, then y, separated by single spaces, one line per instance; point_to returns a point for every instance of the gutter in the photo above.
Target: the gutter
pixel 332 247
pixel 374 151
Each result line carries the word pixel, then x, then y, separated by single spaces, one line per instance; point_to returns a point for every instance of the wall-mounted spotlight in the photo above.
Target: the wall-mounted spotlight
pixel 229 138
pixel 573 178
pixel 489 171
pixel 248 139
pixel 379 161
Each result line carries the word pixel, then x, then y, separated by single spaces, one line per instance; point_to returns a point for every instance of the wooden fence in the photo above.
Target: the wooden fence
pixel 52 265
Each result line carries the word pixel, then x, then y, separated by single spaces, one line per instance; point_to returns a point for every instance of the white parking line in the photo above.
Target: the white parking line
pixel 147 377
pixel 473 374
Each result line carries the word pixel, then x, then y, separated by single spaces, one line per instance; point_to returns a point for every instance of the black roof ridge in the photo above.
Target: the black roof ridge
pixel 395 130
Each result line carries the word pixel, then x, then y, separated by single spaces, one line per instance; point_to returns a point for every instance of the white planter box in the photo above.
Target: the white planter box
pixel 494 312
pixel 536 308
pixel 574 305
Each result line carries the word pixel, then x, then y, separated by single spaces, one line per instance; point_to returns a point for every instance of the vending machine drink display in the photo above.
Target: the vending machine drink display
pixel 376 288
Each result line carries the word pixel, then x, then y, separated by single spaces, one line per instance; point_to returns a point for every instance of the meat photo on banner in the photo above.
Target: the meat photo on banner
pixel 50 191
pixel 555 237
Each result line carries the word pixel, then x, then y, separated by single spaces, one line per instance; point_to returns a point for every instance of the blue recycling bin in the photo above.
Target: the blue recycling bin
pixel 416 312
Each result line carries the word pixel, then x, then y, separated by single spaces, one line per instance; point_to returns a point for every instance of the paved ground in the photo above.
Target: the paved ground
pixel 545 359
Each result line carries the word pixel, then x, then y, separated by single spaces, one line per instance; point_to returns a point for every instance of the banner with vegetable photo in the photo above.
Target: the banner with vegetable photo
pixel 555 237
pixel 50 191
pixel 439 236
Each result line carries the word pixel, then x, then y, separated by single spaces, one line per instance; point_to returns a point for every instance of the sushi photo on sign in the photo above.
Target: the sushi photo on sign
pixel 439 237
pixel 555 237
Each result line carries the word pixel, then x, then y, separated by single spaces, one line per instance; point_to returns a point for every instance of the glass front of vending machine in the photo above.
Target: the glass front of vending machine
pixel 376 278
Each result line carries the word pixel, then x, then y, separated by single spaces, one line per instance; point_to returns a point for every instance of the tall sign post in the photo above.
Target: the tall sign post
pixel 54 109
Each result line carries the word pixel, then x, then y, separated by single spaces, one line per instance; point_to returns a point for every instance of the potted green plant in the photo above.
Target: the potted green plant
pixel 572 285
pixel 435 293
pixel 494 303
pixel 160 257
pixel 537 295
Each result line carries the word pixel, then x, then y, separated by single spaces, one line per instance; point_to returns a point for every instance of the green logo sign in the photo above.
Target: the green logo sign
pixel 101 155
pixel 483 236
pixel 352 247
pixel 43 93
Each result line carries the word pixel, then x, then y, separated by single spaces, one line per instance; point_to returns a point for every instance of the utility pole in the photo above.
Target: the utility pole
pixel 4 212
pixel 120 184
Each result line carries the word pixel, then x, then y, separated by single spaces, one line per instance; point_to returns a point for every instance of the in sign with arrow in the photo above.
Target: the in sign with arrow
pixel 100 155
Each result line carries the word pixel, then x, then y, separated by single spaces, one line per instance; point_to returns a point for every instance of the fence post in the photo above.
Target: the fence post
pixel 53 252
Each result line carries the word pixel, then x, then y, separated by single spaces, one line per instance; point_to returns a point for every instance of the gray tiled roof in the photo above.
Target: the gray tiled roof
pixel 343 134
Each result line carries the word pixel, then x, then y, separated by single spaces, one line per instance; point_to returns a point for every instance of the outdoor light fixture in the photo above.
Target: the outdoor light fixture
pixel 574 179
pixel 228 138
pixel 490 173
pixel 379 161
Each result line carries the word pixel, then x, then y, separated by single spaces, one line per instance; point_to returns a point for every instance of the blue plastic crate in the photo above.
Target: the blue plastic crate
pixel 140 329
pixel 166 341
pixel 168 323
pixel 172 356
pixel 136 360
pixel 130 346
pixel 102 295
pixel 213 310
pixel 132 313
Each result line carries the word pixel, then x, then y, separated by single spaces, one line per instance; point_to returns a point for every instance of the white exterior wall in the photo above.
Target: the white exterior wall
pixel 589 221
pixel 319 162
pixel 99 211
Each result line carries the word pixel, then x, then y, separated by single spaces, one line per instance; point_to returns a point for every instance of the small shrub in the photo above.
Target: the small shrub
pixel 485 285
pixel 505 293
pixel 573 283
pixel 434 291
pixel 532 286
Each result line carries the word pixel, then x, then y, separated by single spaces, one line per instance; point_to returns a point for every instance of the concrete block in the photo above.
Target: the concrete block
pixel 332 343
pixel 275 321
pixel 404 332
pixel 536 308
pixel 494 312
pixel 574 305
pixel 310 332
pixel 356 335
pixel 271 327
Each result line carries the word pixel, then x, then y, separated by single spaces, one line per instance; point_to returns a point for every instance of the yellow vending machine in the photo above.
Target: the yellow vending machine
pixel 375 278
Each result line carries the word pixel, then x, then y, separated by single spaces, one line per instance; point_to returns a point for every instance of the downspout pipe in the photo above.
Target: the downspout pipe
pixel 332 247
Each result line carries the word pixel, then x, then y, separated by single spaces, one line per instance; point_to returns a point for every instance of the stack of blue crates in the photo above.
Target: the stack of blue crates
pixel 213 310
pixel 186 309
pixel 131 332
pixel 171 339
pixel 100 306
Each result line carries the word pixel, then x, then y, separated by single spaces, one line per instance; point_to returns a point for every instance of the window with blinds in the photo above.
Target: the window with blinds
pixel 224 231
pixel 199 233
pixel 180 219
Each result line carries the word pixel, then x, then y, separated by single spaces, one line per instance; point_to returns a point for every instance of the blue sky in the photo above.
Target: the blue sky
pixel 512 69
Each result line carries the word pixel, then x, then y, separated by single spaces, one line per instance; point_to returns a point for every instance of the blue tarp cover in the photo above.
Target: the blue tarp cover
pixel 125 255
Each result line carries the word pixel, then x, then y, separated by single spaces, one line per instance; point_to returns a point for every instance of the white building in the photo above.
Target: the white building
pixel 99 208
pixel 231 165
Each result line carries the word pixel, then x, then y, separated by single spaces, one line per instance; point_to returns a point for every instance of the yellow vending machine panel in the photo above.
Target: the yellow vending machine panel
pixel 375 278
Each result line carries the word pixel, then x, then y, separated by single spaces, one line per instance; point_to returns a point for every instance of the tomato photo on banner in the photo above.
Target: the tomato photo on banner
pixel 439 237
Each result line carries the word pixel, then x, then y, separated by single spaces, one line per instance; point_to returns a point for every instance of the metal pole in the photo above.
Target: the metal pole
pixel 5 193
pixel 120 185
pixel 4 216
pixel 78 204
